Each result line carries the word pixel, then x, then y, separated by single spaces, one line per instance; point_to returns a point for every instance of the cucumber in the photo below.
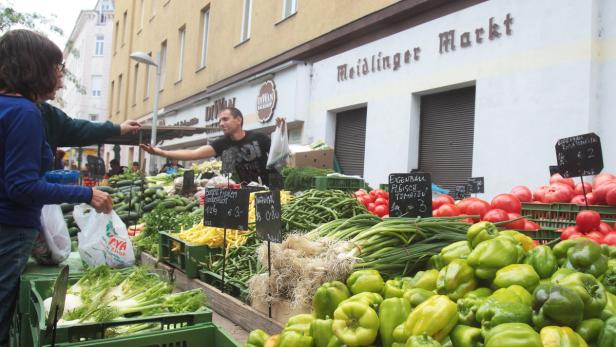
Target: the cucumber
pixel 73 231
pixel 66 207
pixel 137 182
pixel 124 183
pixel 147 200
pixel 192 206
pixel 180 208
pixel 168 204
pixel 161 193
pixel 149 207
pixel 105 189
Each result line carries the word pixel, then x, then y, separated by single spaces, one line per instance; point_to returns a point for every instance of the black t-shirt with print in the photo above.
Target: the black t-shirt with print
pixel 246 157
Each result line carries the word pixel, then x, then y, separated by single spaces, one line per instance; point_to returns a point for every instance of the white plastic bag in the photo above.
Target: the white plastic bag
pixel 53 244
pixel 279 148
pixel 104 239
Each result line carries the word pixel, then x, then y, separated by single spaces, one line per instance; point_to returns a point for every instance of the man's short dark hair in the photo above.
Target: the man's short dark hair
pixel 235 112
pixel 114 161
pixel 28 63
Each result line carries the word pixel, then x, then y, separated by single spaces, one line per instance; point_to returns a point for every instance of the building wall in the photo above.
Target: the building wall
pixel 162 20
pixel 533 87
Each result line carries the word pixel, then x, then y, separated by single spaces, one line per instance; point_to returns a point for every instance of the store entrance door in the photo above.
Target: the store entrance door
pixel 350 141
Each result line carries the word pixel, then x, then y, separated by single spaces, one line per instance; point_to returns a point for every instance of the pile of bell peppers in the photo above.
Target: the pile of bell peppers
pixel 497 288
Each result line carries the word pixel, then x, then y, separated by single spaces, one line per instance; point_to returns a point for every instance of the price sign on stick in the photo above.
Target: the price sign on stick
pixel 460 193
pixel 579 155
pixel 410 195
pixel 476 184
pixel 267 208
pixel 226 208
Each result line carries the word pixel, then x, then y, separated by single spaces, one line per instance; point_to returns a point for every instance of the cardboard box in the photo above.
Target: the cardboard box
pixel 323 159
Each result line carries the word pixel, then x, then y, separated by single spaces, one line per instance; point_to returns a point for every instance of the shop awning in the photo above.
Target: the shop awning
pixel 162 133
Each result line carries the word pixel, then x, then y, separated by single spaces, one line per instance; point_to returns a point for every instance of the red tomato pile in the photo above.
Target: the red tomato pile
pixel 588 224
pixel 377 201
pixel 503 207
pixel 602 191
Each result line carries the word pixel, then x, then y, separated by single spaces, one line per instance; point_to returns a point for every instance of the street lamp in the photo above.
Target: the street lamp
pixel 143 58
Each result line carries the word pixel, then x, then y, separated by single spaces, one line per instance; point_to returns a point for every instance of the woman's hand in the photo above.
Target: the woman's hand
pixel 101 201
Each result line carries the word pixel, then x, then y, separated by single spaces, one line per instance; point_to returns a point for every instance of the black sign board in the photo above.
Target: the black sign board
pixel 476 185
pixel 410 195
pixel 553 170
pixel 267 208
pixel 579 155
pixel 460 192
pixel 188 184
pixel 226 208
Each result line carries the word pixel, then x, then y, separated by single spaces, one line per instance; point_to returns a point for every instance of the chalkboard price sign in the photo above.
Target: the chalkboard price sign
pixel 410 195
pixel 226 208
pixel 477 185
pixel 267 208
pixel 579 155
pixel 460 193
pixel 188 182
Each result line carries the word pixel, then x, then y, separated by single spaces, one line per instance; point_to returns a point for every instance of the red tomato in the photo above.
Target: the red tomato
pixel 380 193
pixel 507 202
pixel 539 193
pixel 518 224
pixel 530 226
pixel 602 190
pixel 373 194
pixel 604 228
pixel 595 236
pixel 565 234
pixel 558 178
pixel 462 204
pixel 496 215
pixel 381 201
pixel 477 208
pixel 448 210
pixel 371 207
pixel 381 210
pixel 587 220
pixel 522 193
pixel 364 200
pixel 441 200
pixel 575 236
pixel 602 178
pixel 610 197
pixel 558 192
pixel 610 239
pixel 359 193
pixel 579 188
pixel 581 200
pixel 591 198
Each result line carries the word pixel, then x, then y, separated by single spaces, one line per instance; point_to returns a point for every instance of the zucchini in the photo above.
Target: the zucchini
pixel 137 182
pixel 161 193
pixel 147 200
pixel 73 231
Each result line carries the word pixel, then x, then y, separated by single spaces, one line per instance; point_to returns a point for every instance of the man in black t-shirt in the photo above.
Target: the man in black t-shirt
pixel 242 152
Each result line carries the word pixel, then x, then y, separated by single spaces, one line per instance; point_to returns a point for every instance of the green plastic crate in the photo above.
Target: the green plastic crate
pixel 232 288
pixel 552 217
pixel 66 335
pixel 339 183
pixel 182 255
pixel 543 236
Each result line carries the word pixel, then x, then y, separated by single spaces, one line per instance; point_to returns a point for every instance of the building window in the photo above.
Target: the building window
pixel 119 96
pixel 153 8
pixel 163 64
pixel 106 5
pixel 146 82
pixel 142 14
pixel 289 7
pixel 205 23
pixel 115 39
pixel 97 84
pixel 246 19
pixel 93 117
pixel 100 44
pixel 181 44
pixel 135 77
pixel 102 18
pixel 111 95
pixel 124 16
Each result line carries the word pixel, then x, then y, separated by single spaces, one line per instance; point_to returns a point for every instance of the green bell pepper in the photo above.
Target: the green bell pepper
pixel 456 279
pixel 435 317
pixel 421 341
pixel 426 279
pixel 256 338
pixel 456 250
pixel 513 335
pixel 321 332
pixel 504 306
pixel 365 281
pixel 560 274
pixel 300 323
pixel 465 336
pixel 527 242
pixel 589 290
pixel 272 341
pixel 586 256
pixel 328 297
pixel 515 292
pixel 416 296
pixel 520 274
pixel 468 305
pixel 561 337
pixel 554 304
pixel 560 250
pixel 608 279
pixel 543 260
pixel 607 337
pixel 371 299
pixel 491 255
pixel 355 324
pixel 590 329
pixel 393 289
pixel 335 342
pixel 393 312
pixel 480 232
pixel 610 307
pixel 295 339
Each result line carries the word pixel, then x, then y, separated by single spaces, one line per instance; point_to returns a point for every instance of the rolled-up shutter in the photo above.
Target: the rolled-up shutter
pixel 351 141
pixel 447 129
